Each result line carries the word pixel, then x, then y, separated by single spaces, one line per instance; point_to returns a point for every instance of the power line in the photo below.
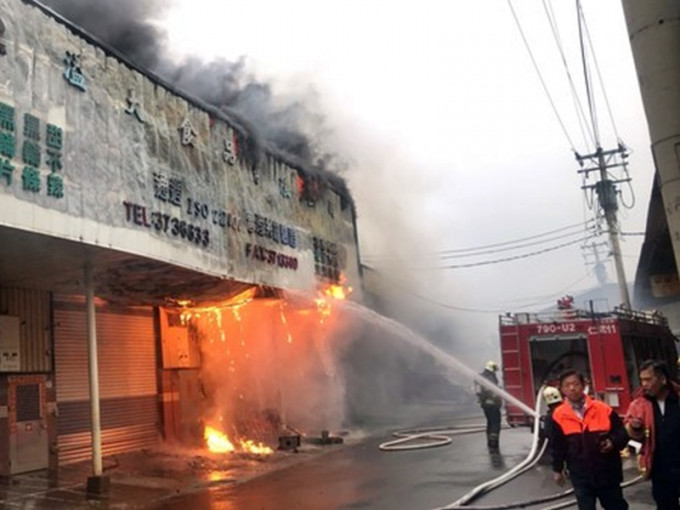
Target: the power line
pixel 462 253
pixel 580 114
pixel 557 294
pixel 599 75
pixel 475 310
pixel 540 76
pixel 516 247
pixel 589 93
pixel 508 259
pixel 583 224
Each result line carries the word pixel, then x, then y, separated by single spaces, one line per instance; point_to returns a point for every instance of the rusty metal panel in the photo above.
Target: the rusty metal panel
pixel 33 308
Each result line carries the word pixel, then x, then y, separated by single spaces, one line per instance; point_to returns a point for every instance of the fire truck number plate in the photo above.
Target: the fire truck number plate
pixel 567 327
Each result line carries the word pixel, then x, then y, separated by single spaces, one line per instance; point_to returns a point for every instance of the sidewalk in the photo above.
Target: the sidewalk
pixel 141 478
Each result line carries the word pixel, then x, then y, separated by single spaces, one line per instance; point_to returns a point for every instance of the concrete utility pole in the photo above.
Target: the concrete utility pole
pixel 605 187
pixel 606 191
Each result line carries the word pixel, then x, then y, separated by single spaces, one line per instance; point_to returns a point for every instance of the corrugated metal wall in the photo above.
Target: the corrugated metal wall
pixel 127 379
pixel 33 307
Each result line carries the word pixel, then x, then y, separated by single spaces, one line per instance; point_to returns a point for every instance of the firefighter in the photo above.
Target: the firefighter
pixel 553 398
pixel 587 437
pixel 491 404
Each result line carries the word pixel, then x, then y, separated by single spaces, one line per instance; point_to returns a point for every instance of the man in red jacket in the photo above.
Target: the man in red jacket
pixel 653 418
pixel 587 438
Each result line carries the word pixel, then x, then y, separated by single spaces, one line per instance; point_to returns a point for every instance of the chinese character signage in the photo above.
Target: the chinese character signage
pixel 33 155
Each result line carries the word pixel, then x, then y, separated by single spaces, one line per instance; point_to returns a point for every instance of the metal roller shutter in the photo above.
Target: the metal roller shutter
pixel 127 379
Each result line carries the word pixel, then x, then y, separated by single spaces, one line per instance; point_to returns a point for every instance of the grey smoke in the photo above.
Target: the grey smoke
pixel 285 128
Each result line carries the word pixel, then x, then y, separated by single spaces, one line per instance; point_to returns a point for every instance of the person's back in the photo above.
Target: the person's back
pixel 491 405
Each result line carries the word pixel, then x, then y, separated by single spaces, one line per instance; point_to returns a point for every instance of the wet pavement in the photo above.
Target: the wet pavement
pixel 355 475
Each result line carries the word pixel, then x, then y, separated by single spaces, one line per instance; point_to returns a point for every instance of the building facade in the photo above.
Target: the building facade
pixel 166 201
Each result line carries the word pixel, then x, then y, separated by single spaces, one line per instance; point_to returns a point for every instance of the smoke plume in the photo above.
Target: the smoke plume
pixel 291 127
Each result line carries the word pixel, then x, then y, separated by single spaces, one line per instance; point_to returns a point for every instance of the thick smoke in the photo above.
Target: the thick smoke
pixel 122 24
pixel 285 126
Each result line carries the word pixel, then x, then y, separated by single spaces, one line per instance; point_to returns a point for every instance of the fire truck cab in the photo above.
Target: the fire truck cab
pixel 607 347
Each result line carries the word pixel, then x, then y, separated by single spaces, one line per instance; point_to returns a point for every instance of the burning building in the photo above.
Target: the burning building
pixel 160 268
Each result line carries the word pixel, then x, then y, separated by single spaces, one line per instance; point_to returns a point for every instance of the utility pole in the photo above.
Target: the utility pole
pixel 606 191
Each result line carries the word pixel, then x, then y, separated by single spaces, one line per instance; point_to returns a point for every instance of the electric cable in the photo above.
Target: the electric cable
pixel 599 75
pixel 586 225
pixel 540 76
pixel 580 114
pixel 632 193
pixel 479 310
pixel 508 259
pixel 586 74
pixel 516 247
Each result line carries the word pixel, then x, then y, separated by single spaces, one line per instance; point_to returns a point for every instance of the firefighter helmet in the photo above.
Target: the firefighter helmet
pixel 491 366
pixel 552 395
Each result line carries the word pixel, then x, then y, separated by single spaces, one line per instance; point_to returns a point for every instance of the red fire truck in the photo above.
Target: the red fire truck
pixel 606 347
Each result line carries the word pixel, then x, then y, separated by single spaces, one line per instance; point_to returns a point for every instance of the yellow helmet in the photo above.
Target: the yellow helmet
pixel 491 366
pixel 552 395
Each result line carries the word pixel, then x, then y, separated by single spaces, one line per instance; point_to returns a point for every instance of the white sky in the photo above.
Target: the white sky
pixel 452 140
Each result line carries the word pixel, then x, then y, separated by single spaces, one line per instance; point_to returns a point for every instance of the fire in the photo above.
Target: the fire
pixel 217 442
pixel 334 292
pixel 338 291
pixel 248 445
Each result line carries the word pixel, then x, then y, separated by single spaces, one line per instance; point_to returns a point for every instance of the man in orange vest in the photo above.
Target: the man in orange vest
pixel 587 437
pixel 653 419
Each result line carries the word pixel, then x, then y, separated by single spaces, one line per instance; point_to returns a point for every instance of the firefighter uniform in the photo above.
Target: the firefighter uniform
pixel 576 443
pixel 491 405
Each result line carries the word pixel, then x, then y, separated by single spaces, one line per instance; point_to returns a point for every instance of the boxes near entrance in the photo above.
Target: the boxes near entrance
pixel 290 442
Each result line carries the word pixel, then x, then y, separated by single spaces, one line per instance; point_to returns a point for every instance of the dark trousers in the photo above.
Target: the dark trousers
pixel 493 424
pixel 666 493
pixel 610 496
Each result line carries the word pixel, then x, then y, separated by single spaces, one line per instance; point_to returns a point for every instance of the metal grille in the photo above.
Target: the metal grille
pixel 28 402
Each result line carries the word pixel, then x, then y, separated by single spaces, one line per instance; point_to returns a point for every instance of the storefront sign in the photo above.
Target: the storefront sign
pixel 31 153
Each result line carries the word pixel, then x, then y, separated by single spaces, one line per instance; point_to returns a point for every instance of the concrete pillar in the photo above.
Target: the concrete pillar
pixel 96 484
pixel 654 30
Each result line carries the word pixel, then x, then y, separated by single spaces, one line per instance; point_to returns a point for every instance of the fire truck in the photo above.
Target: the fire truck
pixel 607 347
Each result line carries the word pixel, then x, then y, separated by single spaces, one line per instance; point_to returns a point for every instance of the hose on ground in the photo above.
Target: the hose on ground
pixel 571 502
pixel 432 437
pixel 528 463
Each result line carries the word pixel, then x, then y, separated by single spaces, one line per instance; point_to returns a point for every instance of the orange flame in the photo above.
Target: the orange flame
pixel 248 445
pixel 338 291
pixel 218 442
pixel 334 292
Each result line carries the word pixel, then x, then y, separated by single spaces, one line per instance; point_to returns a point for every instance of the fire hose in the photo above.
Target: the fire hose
pixel 435 437
pixel 525 465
